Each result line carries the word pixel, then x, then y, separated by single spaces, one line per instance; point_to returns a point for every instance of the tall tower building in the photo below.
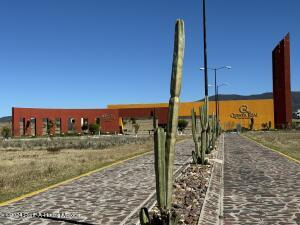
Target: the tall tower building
pixel 282 84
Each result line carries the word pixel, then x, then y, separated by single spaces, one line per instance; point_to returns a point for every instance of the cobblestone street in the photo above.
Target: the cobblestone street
pixel 260 186
pixel 105 197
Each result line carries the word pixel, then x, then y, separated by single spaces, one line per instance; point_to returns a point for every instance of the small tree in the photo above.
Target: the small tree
pixel 93 128
pixel 264 126
pixel 251 123
pixel 5 132
pixel 133 121
pixel 136 127
pixel 182 124
pixel 50 124
pixel 84 127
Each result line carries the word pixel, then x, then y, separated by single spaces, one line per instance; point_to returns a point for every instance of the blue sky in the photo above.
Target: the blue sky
pixel 87 54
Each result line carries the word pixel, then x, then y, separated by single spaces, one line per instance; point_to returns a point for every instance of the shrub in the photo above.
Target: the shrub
pixel 136 128
pixel 93 128
pixel 84 127
pixel 5 132
pixel 133 121
pixel 251 123
pixel 182 124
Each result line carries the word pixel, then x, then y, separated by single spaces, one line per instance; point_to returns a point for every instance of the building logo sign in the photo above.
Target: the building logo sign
pixel 107 117
pixel 244 113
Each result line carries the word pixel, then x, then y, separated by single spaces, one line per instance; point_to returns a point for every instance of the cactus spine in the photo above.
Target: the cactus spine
pixel 164 146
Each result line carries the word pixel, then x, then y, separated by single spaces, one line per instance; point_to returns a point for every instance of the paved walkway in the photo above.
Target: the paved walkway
pixel 105 197
pixel 260 186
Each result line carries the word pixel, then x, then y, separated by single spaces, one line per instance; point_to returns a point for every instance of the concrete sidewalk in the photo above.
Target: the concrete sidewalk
pixel 105 197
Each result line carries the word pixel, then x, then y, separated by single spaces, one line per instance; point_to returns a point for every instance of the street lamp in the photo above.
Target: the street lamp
pixel 216 69
pixel 218 106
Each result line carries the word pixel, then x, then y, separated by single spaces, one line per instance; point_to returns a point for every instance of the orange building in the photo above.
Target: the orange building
pixel 231 113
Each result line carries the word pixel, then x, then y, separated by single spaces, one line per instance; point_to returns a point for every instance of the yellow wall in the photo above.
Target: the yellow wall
pixel 261 110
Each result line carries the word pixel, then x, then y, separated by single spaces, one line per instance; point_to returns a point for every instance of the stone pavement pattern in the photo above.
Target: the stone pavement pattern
pixel 260 186
pixel 105 197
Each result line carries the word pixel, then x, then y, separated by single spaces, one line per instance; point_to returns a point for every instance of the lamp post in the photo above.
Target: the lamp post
pixel 205 59
pixel 216 69
pixel 217 96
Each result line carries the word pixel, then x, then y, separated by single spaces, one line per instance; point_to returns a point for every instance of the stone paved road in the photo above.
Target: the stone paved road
pixel 105 197
pixel 260 186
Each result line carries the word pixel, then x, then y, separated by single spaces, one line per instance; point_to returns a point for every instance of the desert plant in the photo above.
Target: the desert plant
pixel 136 127
pixel 214 131
pixel 251 123
pixel 5 132
pixel 182 124
pixel 165 142
pixel 93 128
pixel 50 125
pixel 196 155
pixel 133 120
pixel 204 126
pixel 85 127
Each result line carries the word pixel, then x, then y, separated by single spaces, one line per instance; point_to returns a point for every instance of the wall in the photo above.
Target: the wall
pixel 231 112
pixel 109 119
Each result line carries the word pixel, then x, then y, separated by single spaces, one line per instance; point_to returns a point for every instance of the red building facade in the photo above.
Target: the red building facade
pixel 34 122
pixel 282 84
pixel 39 122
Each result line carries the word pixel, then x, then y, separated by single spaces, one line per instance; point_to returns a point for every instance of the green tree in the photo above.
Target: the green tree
pixel 136 127
pixel 182 124
pixel 93 128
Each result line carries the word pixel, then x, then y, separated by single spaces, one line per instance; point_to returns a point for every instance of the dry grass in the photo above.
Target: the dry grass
pixel 285 142
pixel 24 171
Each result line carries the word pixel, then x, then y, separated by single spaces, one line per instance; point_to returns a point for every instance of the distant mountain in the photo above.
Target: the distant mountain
pixel 5 119
pixel 267 95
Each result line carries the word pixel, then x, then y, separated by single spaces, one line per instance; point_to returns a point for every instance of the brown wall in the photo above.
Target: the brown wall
pixel 282 84
pixel 109 119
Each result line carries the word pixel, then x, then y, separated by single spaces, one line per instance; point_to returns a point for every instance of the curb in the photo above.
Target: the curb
pixel 260 144
pixel 30 194
pixel 215 209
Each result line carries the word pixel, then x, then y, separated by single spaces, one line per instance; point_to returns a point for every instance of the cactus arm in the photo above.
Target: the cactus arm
pixel 176 78
pixel 159 154
pixel 194 126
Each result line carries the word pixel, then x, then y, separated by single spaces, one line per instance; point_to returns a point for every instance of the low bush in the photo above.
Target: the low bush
pixel 94 128
pixel 6 132
pixel 182 124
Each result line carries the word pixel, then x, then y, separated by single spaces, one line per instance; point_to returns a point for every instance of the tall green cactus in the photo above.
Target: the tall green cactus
pixel 208 136
pixel 196 155
pixel 213 125
pixel 164 147
pixel 204 126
